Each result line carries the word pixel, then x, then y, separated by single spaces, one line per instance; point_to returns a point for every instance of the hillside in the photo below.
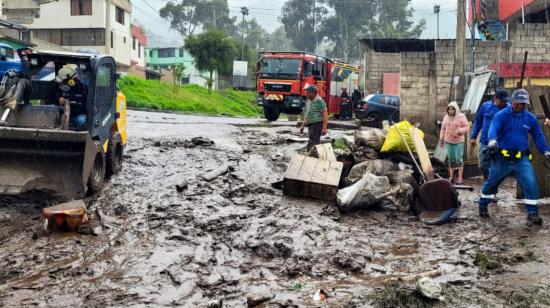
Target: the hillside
pixel 152 94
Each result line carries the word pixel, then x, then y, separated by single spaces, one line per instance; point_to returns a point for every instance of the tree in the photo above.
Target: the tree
pixel 213 50
pixel 177 73
pixel 185 16
pixel 394 20
pixel 278 41
pixel 350 21
pixel 341 23
pixel 299 18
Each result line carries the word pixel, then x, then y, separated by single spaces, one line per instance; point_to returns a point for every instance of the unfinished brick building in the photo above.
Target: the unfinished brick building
pixel 424 72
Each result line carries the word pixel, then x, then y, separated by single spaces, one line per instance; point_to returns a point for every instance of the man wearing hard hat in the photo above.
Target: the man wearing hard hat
pixel 72 95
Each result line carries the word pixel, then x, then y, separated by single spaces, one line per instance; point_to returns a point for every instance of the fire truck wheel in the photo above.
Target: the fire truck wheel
pixel 271 113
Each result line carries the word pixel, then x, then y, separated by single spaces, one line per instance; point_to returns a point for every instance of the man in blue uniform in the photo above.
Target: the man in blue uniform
pixel 509 144
pixel 483 120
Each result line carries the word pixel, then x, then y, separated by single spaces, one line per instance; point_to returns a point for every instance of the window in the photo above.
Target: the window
pixel 167 53
pixel 72 37
pixel 112 39
pixel 181 52
pixel 82 37
pixel 119 15
pixel 124 40
pixel 134 43
pixel 139 51
pixel 150 53
pixel 81 7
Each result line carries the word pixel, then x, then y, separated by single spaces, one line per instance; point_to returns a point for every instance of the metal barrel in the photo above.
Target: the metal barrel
pixel 45 160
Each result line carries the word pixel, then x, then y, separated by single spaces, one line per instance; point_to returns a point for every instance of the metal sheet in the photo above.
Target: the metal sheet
pixel 475 93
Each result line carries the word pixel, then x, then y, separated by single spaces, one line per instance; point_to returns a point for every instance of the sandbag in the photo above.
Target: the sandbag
pixel 402 197
pixel 400 177
pixel 377 167
pixel 370 137
pixel 394 143
pixel 363 194
pixel 362 153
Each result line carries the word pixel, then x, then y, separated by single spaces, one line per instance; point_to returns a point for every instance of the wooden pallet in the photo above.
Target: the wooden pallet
pixel 312 177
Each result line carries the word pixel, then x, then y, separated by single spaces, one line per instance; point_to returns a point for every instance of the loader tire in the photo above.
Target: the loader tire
pixel 114 154
pixel 97 176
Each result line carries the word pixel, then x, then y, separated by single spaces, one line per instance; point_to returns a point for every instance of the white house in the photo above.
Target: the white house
pixel 102 25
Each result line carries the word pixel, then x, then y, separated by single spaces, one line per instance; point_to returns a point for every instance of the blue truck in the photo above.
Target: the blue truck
pixel 9 59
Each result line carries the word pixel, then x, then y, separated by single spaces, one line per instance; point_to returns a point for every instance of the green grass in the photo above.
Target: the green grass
pixel 153 94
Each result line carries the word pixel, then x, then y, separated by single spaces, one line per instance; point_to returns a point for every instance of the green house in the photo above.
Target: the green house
pixel 168 57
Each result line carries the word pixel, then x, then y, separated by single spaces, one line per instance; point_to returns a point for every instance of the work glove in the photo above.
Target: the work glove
pixel 547 155
pixel 492 147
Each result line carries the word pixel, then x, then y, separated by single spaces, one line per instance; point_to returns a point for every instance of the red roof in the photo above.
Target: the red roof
pixel 138 33
pixel 532 70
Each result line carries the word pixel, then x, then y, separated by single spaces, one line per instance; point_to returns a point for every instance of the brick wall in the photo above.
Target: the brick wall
pixel 377 64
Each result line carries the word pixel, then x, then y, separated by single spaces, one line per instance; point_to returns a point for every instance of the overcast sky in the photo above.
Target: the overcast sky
pixel 267 12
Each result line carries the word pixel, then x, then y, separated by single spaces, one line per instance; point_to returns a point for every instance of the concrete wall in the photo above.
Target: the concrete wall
pixel 57 15
pixel 122 45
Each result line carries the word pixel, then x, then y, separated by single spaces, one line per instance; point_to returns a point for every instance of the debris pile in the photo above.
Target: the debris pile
pixel 374 179
pixel 379 169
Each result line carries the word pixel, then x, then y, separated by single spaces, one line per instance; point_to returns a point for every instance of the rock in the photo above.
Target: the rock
pixel 202 141
pixel 215 304
pixel 255 300
pixel 98 230
pixel 181 187
pixel 429 288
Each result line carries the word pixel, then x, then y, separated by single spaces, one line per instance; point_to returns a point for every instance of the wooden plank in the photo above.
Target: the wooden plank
pixel 320 172
pixel 293 170
pixel 306 172
pixel 325 151
pixel 422 152
pixel 334 173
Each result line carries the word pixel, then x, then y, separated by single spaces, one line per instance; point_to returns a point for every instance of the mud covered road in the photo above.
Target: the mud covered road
pixel 237 241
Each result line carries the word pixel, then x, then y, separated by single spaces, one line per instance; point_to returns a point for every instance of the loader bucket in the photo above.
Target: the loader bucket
pixel 53 161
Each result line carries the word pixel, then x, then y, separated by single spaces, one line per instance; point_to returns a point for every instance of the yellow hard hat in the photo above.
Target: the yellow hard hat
pixel 68 71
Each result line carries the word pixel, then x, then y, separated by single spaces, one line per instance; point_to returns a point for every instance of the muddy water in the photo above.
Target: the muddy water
pixel 237 240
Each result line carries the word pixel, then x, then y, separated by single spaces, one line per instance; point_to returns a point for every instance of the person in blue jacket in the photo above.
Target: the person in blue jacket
pixel 509 144
pixel 483 120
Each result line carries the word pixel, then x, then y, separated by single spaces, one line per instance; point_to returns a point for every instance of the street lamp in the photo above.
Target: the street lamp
pixel 437 8
pixel 244 11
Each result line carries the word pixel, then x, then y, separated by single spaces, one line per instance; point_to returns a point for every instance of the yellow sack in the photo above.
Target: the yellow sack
pixel 394 143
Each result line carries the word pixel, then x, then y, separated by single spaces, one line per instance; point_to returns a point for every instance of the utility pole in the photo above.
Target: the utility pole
pixel 314 32
pixel 458 69
pixel 244 11
pixel 473 35
pixel 437 8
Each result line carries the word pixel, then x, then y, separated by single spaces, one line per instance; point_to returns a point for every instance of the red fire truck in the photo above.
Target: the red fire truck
pixel 283 77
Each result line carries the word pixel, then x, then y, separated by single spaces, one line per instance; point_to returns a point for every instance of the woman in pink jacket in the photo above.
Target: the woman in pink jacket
pixel 453 129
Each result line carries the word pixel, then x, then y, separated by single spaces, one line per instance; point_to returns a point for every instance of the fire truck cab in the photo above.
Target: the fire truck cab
pixel 283 77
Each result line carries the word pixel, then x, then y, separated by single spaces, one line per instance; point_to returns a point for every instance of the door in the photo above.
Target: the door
pixel 104 99
pixel 392 84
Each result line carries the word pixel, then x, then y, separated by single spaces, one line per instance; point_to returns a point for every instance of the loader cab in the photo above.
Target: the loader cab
pixel 96 76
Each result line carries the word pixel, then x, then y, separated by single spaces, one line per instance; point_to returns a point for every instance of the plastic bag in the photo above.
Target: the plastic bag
pixel 362 153
pixel 371 137
pixel 394 143
pixel 363 194
pixel 377 167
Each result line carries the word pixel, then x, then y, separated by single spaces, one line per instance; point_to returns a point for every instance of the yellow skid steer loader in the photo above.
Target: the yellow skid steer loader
pixel 38 152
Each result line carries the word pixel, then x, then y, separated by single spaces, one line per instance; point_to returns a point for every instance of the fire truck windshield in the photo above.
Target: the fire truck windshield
pixel 280 67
